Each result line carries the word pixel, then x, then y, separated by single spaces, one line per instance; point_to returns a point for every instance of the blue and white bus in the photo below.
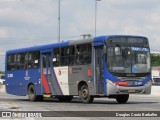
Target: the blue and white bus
pixel 111 66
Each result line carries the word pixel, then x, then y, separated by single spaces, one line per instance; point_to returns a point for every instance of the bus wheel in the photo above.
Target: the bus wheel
pixel 65 98
pixel 122 98
pixel 84 94
pixel 32 94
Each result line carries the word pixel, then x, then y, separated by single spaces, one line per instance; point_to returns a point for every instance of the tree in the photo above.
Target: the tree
pixel 1 72
pixel 155 60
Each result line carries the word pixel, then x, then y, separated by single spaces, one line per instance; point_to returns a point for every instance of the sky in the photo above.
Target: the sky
pixel 25 23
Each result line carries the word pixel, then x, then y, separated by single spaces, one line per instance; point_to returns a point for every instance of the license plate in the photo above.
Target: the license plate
pixel 131 91
pixel 135 83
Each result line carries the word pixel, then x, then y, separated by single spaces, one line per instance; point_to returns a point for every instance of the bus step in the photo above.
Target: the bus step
pixel 46 95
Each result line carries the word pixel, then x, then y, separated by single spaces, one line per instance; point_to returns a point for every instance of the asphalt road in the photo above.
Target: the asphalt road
pixel 135 103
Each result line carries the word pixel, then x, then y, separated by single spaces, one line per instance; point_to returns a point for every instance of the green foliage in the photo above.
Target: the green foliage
pixel 1 72
pixel 155 60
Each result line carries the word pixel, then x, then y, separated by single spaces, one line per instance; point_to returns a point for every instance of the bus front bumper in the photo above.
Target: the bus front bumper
pixel 113 89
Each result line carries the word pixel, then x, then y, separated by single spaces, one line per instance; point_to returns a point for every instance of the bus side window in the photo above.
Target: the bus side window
pixel 56 57
pixel 83 54
pixel 34 59
pixel 21 61
pixel 11 62
pixel 71 55
pixel 67 56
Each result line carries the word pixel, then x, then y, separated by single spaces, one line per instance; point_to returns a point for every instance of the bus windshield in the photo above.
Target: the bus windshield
pixel 127 59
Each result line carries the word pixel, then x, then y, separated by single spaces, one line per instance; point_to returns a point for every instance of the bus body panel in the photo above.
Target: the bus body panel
pixel 17 81
pixel 62 78
pixel 112 89
pixel 67 78
pixel 80 73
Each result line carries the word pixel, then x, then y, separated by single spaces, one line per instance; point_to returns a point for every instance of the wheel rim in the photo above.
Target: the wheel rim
pixel 85 93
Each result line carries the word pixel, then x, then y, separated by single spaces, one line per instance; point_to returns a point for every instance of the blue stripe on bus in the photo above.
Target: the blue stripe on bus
pixel 105 77
pixel 52 85
pixel 147 79
pixel 99 40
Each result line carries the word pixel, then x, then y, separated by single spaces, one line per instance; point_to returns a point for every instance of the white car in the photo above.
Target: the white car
pixel 2 81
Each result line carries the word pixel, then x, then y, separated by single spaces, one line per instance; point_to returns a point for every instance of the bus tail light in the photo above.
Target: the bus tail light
pixel 89 72
pixel 122 83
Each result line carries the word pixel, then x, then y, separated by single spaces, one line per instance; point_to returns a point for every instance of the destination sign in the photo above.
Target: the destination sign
pixel 129 40
pixel 139 49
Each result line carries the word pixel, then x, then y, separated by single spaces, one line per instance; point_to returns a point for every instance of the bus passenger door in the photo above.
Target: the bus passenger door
pixel 99 72
pixel 46 72
pixel 50 83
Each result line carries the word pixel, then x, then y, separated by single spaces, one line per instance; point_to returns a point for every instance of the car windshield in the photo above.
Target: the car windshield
pixel 125 59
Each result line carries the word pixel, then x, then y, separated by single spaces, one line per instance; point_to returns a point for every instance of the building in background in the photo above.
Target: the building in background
pixel 2 79
pixel 156 75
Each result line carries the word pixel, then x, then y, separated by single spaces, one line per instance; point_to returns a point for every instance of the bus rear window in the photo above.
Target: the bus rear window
pixel 22 61
pixel 11 62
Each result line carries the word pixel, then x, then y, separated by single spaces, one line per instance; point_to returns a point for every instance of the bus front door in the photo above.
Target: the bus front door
pixel 99 73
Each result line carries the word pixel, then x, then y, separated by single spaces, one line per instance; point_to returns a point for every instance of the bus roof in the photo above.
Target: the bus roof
pixel 97 40
pixel 40 47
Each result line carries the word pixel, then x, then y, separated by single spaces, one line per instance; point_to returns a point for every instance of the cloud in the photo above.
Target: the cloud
pixel 29 18
pixel 4 32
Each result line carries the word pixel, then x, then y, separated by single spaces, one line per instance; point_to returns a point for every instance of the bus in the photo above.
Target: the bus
pixel 112 66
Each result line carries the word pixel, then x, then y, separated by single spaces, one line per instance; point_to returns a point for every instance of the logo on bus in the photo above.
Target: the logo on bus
pixel 26 76
pixel 10 75
pixel 59 72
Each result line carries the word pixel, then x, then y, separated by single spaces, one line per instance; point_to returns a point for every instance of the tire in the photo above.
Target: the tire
pixel 122 98
pixel 32 94
pixel 84 94
pixel 65 98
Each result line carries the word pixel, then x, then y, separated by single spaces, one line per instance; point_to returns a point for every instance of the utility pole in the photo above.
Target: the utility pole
pixel 59 20
pixel 96 16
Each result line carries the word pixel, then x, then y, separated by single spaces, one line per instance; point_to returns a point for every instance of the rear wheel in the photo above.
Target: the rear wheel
pixel 32 94
pixel 84 94
pixel 122 98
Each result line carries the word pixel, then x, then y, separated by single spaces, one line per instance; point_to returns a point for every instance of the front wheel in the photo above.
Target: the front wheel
pixel 84 94
pixel 122 98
